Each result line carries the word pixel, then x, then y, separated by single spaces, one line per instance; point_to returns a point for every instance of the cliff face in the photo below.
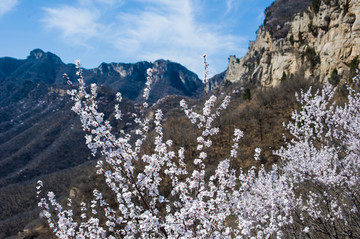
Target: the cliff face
pixel 322 40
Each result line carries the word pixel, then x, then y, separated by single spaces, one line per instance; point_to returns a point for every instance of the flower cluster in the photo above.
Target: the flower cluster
pixel 148 86
pixel 206 66
pixel 323 157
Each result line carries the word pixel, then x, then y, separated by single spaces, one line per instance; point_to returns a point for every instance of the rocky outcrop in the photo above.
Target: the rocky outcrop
pixel 320 41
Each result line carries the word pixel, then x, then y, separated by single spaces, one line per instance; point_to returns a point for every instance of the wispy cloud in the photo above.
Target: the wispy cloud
pixel 170 30
pixel 7 5
pixel 260 17
pixel 77 25
pixel 100 3
pixel 165 29
pixel 229 6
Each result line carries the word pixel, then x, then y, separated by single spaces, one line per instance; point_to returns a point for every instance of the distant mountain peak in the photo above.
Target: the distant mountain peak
pixel 36 54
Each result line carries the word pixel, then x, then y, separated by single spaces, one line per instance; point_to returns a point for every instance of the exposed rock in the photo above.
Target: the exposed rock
pixel 332 34
pixel 35 229
pixel 73 192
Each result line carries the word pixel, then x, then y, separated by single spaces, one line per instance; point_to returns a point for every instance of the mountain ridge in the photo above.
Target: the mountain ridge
pixel 128 78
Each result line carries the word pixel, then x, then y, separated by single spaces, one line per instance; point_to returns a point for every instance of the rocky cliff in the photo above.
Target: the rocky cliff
pixel 321 39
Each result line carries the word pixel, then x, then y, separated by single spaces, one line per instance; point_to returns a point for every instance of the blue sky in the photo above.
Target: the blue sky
pixel 128 31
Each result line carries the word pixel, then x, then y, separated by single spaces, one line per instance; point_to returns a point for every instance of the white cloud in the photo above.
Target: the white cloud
pixel 100 3
pixel 75 24
pixel 7 5
pixel 260 17
pixel 110 2
pixel 164 29
pixel 233 6
pixel 229 6
pixel 169 30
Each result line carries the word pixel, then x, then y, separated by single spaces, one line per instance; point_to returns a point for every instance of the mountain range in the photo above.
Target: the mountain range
pixel 46 68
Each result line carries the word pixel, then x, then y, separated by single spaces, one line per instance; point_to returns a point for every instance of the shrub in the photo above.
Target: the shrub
pixel 262 51
pixel 316 5
pixel 258 58
pixel 247 94
pixel 354 67
pixel 291 39
pixel 334 78
pixel 311 56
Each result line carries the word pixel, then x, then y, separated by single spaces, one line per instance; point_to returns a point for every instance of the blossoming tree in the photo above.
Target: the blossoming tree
pixel 313 191
pixel 322 161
